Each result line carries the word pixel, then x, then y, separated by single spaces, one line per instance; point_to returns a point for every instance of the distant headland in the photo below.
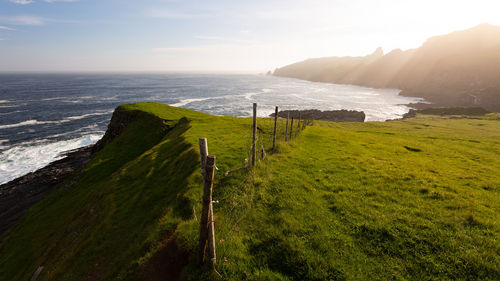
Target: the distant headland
pixel 458 69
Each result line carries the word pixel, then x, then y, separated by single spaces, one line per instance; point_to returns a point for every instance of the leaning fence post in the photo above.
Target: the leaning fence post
pixel 275 121
pixel 208 176
pixel 286 128
pixel 210 170
pixel 254 132
pixel 291 129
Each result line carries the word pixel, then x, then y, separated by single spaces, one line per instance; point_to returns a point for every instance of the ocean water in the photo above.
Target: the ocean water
pixel 43 115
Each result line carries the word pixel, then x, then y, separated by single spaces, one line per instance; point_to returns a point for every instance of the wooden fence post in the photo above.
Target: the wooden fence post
pixel 203 155
pixel 286 128
pixel 275 121
pixel 291 129
pixel 298 126
pixel 254 132
pixel 210 171
pixel 206 216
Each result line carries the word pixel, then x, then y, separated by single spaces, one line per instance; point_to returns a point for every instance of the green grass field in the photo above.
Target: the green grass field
pixel 416 199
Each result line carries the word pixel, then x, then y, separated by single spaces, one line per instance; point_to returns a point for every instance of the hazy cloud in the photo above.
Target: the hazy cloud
pixel 22 20
pixel 53 1
pixel 173 14
pixel 22 2
pixel 25 2
pixel 208 37
pixel 191 48
pixel 5 28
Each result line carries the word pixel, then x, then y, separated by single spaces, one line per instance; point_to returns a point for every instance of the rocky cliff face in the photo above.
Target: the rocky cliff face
pixel 119 121
pixel 458 69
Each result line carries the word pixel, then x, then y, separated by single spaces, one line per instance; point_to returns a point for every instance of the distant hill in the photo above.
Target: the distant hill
pixel 457 69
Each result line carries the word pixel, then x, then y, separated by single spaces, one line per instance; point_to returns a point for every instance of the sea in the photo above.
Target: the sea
pixel 44 115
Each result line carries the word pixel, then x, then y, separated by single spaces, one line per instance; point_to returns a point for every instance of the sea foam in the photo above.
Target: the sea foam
pixel 29 157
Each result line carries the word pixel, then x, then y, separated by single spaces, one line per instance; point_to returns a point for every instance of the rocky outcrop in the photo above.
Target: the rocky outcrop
pixel 334 115
pixel 119 121
pixel 443 111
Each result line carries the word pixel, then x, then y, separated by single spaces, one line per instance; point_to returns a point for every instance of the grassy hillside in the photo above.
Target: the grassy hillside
pixel 406 200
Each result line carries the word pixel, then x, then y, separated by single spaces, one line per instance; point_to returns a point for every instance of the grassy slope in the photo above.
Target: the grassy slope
pixel 414 199
pixel 128 199
pixel 350 201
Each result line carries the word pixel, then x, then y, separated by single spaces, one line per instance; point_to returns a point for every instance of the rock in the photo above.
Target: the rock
pixel 333 115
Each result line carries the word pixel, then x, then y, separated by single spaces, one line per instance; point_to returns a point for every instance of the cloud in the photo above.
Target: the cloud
pixel 22 2
pixel 228 40
pixel 208 37
pixel 25 2
pixel 53 1
pixel 6 28
pixel 173 14
pixel 192 48
pixel 22 20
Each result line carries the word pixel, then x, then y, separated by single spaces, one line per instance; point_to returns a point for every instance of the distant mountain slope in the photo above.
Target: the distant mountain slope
pixel 461 68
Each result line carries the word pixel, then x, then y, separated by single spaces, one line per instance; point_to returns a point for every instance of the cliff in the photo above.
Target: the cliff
pixel 457 69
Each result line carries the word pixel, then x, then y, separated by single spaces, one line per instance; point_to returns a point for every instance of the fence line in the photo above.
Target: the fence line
pixel 207 228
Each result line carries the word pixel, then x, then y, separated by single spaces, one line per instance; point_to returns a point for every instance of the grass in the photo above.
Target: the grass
pixel 416 199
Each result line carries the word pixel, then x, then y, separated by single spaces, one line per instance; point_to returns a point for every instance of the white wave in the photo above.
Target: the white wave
pixel 188 101
pixel 51 99
pixel 9 106
pixel 4 101
pixel 65 120
pixel 20 160
pixel 12 112
pixel 248 96
pixel 91 129
pixel 78 117
pixel 25 123
pixel 110 98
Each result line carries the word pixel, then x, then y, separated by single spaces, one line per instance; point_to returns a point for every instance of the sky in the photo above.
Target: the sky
pixel 217 35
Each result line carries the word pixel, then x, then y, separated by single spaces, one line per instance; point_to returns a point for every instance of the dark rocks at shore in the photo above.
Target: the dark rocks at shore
pixel 410 114
pixel 468 111
pixel 443 111
pixel 17 196
pixel 333 115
